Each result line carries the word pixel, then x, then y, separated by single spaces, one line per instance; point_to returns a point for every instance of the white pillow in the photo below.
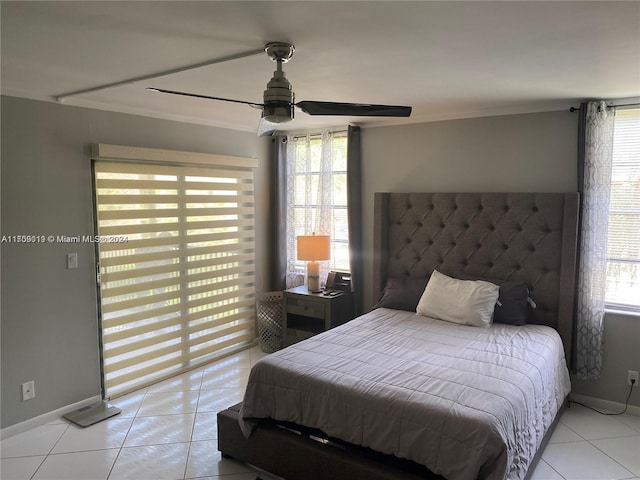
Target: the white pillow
pixel 469 302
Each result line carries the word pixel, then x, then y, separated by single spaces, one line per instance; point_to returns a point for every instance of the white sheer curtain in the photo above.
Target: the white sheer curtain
pixel 311 197
pixel 596 159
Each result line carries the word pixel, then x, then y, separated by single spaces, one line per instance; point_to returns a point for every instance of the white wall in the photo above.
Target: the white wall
pixel 49 321
pixel 621 353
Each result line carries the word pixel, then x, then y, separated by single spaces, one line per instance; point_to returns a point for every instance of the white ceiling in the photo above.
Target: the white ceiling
pixel 446 59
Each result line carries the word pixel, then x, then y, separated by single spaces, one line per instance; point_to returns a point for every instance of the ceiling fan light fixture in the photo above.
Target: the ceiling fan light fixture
pixel 278 112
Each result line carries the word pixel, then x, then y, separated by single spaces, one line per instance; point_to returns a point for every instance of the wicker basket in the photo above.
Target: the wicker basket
pixel 270 315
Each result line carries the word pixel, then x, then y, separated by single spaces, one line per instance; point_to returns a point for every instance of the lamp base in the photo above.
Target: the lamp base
pixel 313 284
pixel 313 277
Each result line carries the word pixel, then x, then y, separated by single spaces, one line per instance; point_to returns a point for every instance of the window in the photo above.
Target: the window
pixel 317 198
pixel 176 262
pixel 623 244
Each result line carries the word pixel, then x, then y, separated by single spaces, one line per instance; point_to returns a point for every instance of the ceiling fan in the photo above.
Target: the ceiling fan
pixel 279 99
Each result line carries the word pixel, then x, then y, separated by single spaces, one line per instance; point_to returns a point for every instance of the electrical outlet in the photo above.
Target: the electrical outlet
pixel 28 390
pixel 632 375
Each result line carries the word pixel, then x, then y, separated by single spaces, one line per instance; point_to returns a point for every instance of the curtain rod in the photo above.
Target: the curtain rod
pixel 574 109
pixel 296 137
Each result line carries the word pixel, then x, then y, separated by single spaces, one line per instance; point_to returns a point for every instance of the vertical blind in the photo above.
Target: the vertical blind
pixel 176 262
pixel 623 244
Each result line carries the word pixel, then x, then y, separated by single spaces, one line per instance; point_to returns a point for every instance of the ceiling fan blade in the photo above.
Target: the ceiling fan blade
pixel 206 97
pixel 353 109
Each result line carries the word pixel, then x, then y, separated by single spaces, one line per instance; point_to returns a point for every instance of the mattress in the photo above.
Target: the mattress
pixel 467 402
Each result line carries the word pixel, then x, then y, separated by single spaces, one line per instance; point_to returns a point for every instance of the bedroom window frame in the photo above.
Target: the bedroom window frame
pixel 309 214
pixel 625 201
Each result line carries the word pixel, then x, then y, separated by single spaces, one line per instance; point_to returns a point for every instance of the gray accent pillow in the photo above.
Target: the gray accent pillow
pixel 402 293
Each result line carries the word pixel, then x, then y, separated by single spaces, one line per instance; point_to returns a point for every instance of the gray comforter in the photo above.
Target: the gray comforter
pixel 467 402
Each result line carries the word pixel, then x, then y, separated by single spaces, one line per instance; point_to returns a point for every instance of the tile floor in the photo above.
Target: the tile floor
pixel 168 432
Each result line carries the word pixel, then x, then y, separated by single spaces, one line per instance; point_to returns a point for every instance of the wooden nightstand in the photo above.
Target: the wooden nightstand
pixel 307 314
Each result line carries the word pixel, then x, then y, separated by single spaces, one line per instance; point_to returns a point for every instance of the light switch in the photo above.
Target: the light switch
pixel 72 260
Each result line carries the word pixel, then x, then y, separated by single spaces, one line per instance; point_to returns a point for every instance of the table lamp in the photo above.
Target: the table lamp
pixel 313 248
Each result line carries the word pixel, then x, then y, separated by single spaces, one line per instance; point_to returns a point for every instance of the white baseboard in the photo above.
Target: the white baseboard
pixel 602 404
pixel 45 418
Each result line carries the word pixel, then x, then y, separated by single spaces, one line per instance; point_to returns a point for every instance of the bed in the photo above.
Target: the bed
pixel 394 394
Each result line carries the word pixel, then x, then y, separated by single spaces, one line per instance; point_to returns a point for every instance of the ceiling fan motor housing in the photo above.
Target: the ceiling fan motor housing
pixel 278 99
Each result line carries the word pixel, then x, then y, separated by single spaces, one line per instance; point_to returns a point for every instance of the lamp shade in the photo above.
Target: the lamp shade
pixel 313 247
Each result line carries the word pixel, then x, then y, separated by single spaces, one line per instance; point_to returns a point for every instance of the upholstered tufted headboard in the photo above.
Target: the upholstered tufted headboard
pixel 528 237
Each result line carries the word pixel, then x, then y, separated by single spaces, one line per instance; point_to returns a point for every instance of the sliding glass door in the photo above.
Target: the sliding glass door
pixel 176 267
